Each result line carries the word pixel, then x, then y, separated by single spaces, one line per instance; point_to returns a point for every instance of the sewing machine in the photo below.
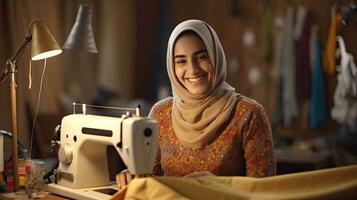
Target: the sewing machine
pixel 83 172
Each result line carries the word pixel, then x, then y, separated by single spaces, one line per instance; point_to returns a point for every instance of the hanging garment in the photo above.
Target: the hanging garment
pixel 265 34
pixel 344 110
pixel 329 53
pixel 275 97
pixel 317 114
pixel 303 56
pixel 300 18
pixel 287 71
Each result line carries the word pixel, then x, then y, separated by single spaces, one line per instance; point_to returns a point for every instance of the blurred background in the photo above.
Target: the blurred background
pixel 281 53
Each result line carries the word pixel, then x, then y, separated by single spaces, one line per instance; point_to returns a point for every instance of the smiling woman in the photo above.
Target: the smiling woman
pixel 193 67
pixel 206 128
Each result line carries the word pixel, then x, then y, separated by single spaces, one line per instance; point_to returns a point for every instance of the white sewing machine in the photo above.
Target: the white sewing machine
pixel 83 172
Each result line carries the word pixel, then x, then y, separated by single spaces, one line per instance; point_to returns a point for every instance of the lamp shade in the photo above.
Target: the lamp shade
pixel 43 44
pixel 81 37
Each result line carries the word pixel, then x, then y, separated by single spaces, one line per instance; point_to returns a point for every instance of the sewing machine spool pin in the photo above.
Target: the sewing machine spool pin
pixel 84 109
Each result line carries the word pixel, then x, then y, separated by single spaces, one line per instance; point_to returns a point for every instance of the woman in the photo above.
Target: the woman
pixel 206 128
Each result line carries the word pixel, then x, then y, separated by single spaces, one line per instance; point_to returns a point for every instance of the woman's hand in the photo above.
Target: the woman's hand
pixel 199 174
pixel 123 178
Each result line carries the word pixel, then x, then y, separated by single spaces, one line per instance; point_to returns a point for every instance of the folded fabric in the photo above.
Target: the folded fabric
pixel 334 183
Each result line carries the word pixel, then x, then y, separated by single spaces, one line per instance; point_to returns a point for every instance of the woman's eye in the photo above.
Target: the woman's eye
pixel 180 61
pixel 203 56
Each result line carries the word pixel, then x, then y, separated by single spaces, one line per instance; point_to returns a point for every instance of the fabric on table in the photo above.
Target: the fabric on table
pixel 334 183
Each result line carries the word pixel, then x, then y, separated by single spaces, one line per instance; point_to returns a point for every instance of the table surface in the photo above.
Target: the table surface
pixel 23 196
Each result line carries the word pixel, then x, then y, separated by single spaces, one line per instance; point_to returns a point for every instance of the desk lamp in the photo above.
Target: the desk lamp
pixel 43 45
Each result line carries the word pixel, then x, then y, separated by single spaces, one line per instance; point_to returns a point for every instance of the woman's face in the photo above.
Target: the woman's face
pixel 192 65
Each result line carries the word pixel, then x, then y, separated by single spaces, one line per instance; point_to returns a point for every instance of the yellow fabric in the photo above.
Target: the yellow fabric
pixel 330 50
pixel 335 183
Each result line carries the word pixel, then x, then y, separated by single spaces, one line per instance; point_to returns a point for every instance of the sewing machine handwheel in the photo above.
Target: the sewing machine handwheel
pixel 65 154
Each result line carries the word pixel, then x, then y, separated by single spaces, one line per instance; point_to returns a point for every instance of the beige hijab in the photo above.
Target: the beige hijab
pixel 197 118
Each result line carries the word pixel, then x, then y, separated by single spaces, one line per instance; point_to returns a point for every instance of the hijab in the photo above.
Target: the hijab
pixel 196 119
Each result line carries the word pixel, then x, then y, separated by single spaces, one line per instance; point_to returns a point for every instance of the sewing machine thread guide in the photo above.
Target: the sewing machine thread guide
pixel 84 108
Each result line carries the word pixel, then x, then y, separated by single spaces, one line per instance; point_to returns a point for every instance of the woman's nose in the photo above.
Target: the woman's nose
pixel 194 66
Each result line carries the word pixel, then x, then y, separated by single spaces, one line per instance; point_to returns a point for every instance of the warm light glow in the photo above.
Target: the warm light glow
pixel 43 44
pixel 47 54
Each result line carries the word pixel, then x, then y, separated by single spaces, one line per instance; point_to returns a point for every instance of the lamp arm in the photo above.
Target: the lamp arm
pixel 21 48
pixel 7 69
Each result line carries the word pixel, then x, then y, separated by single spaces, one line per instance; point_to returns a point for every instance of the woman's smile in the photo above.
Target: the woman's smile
pixel 196 80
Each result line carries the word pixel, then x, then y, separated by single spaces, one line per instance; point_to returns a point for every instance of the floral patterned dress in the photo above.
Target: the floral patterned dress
pixel 243 148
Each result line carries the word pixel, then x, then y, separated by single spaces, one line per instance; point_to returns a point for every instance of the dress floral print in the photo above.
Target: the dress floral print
pixel 244 146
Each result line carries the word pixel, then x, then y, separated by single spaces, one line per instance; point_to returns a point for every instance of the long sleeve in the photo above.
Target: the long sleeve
pixel 157 169
pixel 258 145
